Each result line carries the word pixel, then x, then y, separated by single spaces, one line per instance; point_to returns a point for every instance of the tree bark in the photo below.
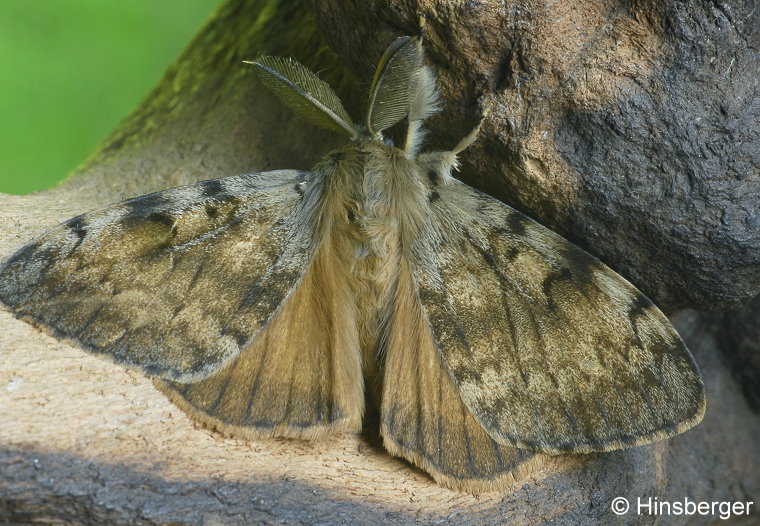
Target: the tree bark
pixel 579 98
pixel 631 127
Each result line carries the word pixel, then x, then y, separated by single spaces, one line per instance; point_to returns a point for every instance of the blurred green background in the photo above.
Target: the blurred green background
pixel 72 69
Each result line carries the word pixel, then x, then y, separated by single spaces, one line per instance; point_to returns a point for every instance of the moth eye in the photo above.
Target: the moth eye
pixel 211 211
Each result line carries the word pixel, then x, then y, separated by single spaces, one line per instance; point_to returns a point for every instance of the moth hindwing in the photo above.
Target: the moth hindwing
pixel 265 304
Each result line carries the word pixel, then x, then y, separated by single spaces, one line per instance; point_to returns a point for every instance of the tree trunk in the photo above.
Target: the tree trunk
pixel 630 128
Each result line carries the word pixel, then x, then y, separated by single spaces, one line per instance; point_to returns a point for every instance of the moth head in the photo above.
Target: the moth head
pixel 401 87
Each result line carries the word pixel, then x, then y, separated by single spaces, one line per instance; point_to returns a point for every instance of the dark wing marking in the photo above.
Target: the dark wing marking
pixel 423 418
pixel 549 348
pixel 174 282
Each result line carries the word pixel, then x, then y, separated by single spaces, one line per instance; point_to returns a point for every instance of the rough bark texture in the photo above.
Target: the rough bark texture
pixel 631 127
pixel 628 127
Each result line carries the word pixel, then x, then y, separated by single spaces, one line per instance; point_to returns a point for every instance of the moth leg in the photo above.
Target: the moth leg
pixel 440 164
pixel 471 137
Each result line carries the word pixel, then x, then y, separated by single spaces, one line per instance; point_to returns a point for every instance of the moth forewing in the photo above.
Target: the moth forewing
pixel 549 349
pixel 302 376
pixel 423 418
pixel 156 282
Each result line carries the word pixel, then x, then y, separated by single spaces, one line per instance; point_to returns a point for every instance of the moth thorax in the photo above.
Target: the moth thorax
pixel 394 197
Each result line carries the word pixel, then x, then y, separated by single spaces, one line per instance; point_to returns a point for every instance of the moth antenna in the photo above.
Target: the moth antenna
pixel 394 86
pixel 301 89
pixel 422 22
pixel 415 135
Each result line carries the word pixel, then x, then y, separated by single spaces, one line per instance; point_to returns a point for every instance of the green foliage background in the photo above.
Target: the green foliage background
pixel 70 70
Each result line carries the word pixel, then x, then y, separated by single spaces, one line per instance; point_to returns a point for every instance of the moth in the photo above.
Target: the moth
pixel 267 304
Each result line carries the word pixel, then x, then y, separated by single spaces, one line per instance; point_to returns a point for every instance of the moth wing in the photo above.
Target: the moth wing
pixel 548 348
pixel 175 282
pixel 423 418
pixel 300 378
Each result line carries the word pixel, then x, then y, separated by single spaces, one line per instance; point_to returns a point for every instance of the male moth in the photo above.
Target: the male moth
pixel 265 304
